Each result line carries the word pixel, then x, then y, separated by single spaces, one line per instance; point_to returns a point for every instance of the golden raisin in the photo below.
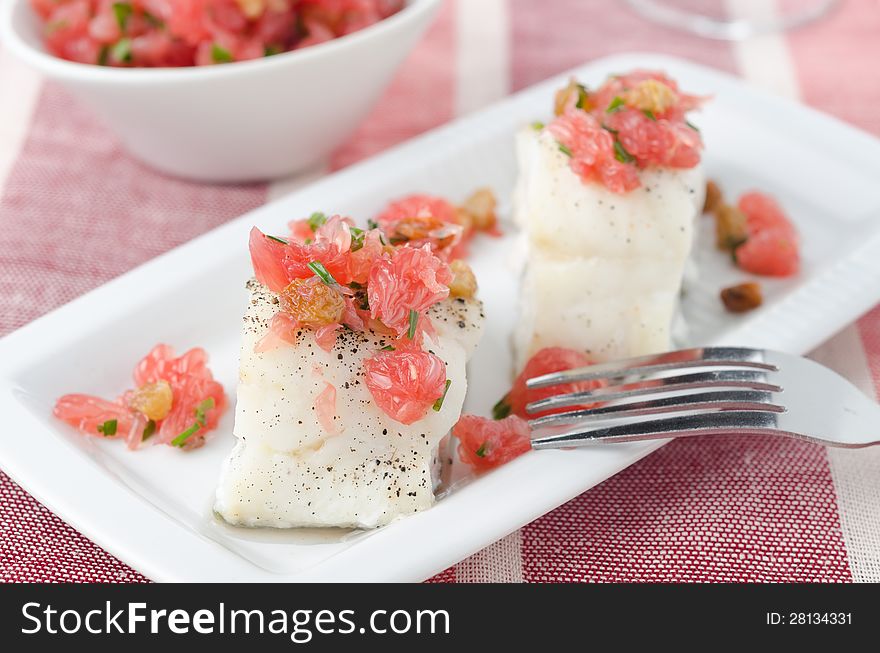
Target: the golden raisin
pixel 153 400
pixel 312 302
pixel 252 9
pixel 730 227
pixel 423 227
pixel 464 283
pixel 574 94
pixel 480 206
pixel 651 95
pixel 714 198
pixel 742 298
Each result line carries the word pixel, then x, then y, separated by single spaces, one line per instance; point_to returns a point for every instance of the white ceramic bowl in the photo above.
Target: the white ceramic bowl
pixel 245 121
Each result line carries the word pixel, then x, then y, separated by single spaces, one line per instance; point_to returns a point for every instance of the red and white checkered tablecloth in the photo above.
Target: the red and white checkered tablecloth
pixel 721 509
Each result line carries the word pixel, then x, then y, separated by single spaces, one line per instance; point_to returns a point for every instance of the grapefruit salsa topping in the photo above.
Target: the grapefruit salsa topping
pixel 631 122
pixel 485 443
pixel 173 33
pixel 329 275
pixel 175 401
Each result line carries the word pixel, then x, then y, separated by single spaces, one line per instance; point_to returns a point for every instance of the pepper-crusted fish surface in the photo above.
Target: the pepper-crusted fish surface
pixel 314 448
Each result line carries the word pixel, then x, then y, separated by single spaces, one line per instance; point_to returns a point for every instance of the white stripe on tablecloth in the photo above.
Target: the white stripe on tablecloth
pixel 482 31
pixel 23 88
pixel 855 473
pixel 766 61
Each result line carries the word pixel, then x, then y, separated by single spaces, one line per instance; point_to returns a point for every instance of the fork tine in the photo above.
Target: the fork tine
pixel 750 422
pixel 751 379
pixel 685 358
pixel 715 401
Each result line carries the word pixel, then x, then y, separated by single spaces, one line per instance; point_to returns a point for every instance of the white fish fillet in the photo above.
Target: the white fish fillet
pixel 286 471
pixel 603 271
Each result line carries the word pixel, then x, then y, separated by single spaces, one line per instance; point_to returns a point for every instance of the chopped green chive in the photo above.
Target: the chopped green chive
pixel 538 125
pixel 439 403
pixel 321 272
pixel 565 150
pixel 372 224
pixel 621 154
pixel 357 238
pixel 201 419
pixel 501 409
pixel 615 105
pixel 609 129
pixel 277 239
pixel 271 50
pixel 122 50
pixel 149 430
pixel 103 55
pixel 316 219
pixel 152 20
pixel 109 427
pixel 122 10
pixel 649 114
pixel 388 348
pixel 413 323
pixel 692 126
pixel 583 96
pixel 185 435
pixel 483 450
pixel 219 54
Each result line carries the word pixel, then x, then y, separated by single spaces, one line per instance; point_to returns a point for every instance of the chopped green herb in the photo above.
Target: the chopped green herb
pixel 538 125
pixel 203 408
pixel 149 430
pixel 483 450
pixel 181 439
pixel 103 55
pixel 122 10
pixel 271 50
pixel 219 54
pixel 316 219
pixel 609 129
pixel 372 224
pixel 413 323
pixel 649 114
pixel 277 239
pixel 121 52
pixel 501 409
pixel 109 427
pixel 621 154
pixel 388 348
pixel 615 105
pixel 152 20
pixel 439 403
pixel 321 272
pixel 201 419
pixel 308 241
pixel 692 126
pixel 565 150
pixel 357 238
pixel 583 97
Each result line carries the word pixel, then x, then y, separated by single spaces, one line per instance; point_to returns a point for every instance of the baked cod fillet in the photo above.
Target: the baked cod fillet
pixel 289 470
pixel 603 270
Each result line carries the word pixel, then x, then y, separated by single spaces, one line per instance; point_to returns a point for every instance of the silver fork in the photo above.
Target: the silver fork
pixel 704 391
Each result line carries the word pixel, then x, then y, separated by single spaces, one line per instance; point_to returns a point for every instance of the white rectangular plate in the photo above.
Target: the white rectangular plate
pixel 152 509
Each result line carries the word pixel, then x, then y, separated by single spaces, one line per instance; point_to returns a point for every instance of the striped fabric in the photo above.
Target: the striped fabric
pixel 725 509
